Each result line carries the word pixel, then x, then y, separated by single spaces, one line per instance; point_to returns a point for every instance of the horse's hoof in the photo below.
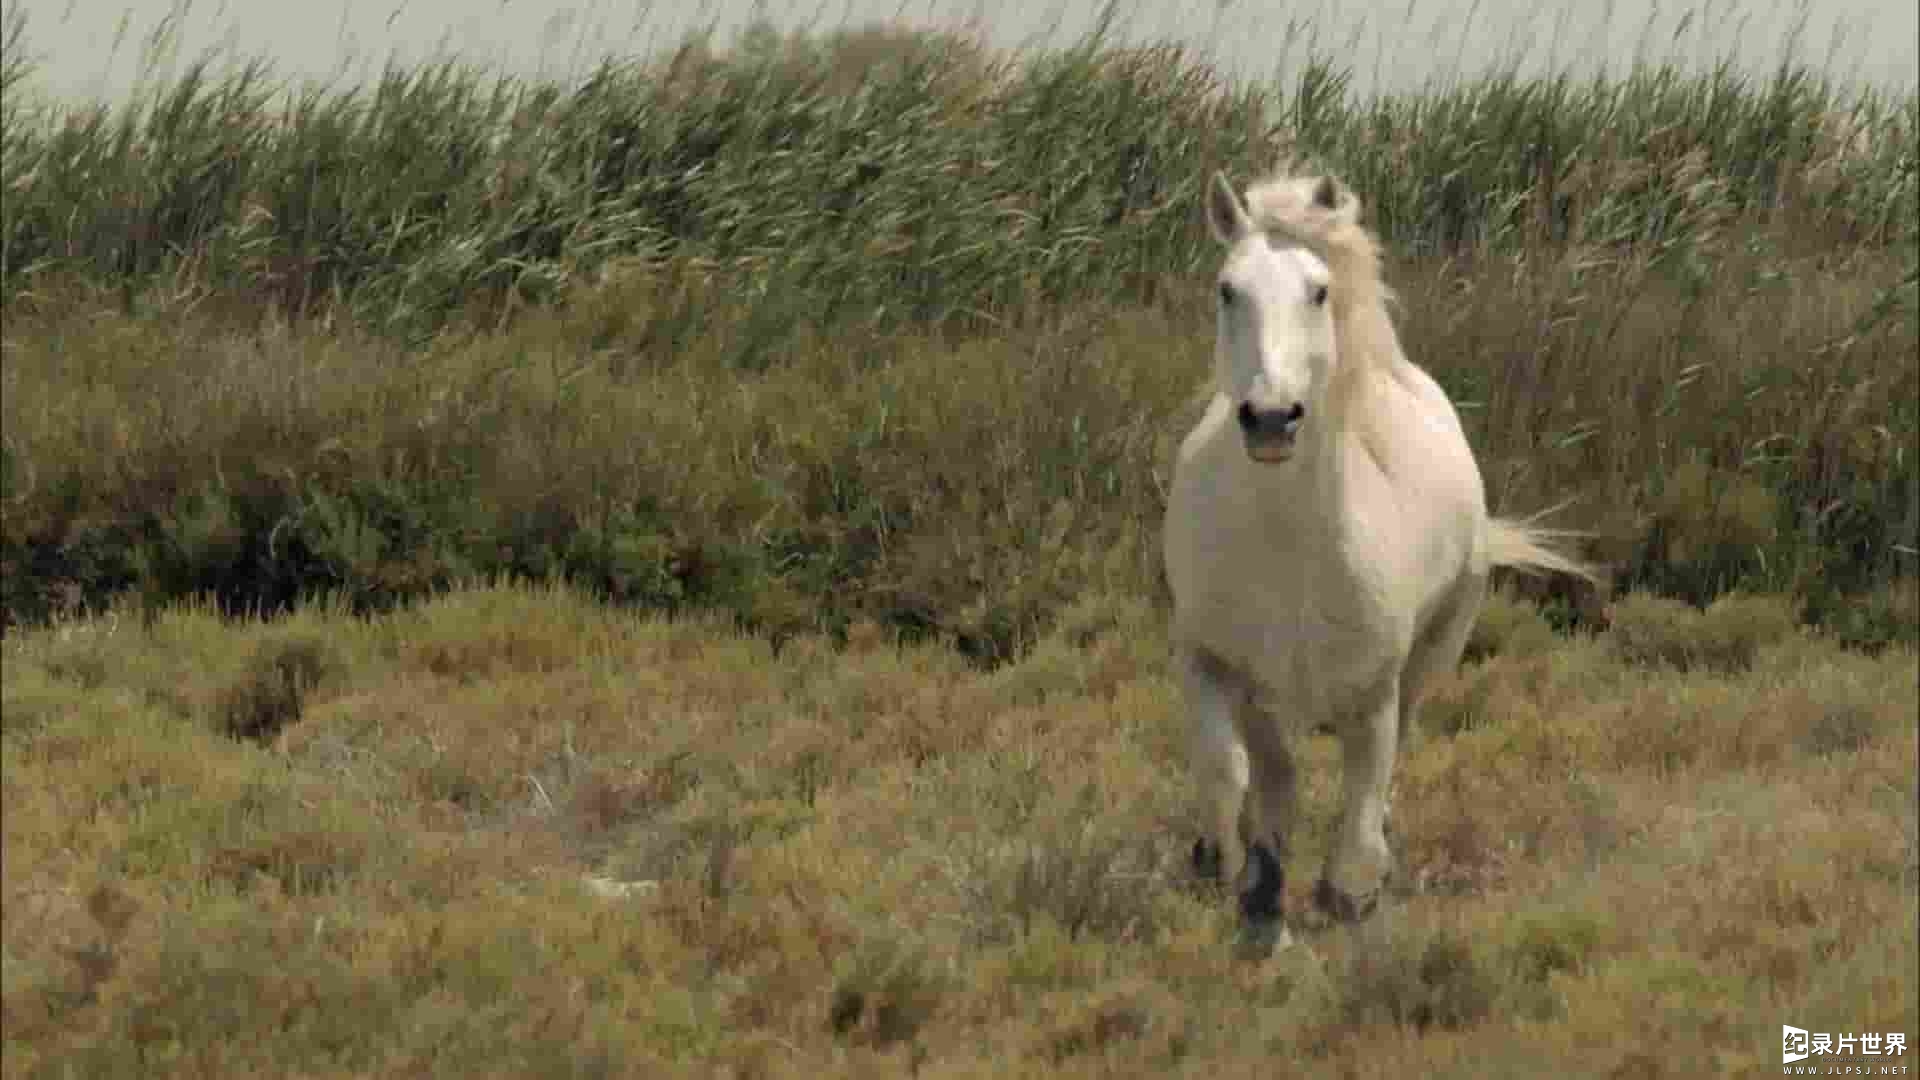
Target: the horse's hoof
pixel 1257 940
pixel 1206 860
pixel 1342 906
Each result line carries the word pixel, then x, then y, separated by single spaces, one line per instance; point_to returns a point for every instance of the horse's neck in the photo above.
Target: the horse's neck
pixel 1341 464
pixel 1329 465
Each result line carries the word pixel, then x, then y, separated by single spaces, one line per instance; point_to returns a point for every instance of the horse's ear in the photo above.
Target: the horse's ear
pixel 1333 197
pixel 1225 216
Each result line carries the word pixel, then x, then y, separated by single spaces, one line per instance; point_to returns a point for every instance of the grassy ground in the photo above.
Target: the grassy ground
pixel 333 846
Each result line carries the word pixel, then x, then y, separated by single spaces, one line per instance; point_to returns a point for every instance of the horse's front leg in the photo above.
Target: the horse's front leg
pixel 1357 869
pixel 1275 791
pixel 1217 762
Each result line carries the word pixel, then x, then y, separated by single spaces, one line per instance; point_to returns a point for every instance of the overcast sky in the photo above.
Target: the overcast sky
pixel 94 48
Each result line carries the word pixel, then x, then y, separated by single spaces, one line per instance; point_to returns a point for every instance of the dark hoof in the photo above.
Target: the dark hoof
pixel 1340 906
pixel 1257 941
pixel 1206 860
pixel 1260 903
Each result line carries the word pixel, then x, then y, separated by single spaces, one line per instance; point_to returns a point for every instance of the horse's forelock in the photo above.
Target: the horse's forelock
pixel 1315 209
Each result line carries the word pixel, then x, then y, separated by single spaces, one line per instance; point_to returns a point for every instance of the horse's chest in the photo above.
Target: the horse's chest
pixel 1301 636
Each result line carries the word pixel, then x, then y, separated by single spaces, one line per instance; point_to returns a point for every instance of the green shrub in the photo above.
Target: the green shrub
pixel 1508 626
pixel 1727 636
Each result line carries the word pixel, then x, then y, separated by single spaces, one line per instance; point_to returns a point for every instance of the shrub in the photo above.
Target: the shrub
pixel 1727 636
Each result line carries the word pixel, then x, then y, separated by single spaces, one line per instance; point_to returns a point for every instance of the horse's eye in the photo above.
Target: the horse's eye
pixel 1226 293
pixel 1318 295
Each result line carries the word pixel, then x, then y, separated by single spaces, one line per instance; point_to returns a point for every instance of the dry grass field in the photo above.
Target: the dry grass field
pixel 330 846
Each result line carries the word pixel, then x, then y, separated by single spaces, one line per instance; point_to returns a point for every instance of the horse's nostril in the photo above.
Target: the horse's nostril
pixel 1251 419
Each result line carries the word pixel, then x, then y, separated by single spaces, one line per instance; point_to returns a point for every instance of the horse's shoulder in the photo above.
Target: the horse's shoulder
pixel 1412 432
pixel 1206 439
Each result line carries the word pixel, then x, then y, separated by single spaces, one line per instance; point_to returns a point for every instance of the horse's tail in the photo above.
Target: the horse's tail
pixel 1527 547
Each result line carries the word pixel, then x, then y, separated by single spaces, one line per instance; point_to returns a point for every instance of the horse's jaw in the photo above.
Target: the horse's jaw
pixel 1290 476
pixel 1303 451
pixel 1270 453
pixel 1270 447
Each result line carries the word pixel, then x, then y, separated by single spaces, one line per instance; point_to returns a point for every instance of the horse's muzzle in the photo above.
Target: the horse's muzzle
pixel 1270 433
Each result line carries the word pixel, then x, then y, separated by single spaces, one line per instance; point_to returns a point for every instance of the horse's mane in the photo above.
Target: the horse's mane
pixel 1317 210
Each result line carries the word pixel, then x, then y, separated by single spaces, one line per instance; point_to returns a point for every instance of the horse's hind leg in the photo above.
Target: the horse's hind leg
pixel 1218 763
pixel 1439 647
pixel 1435 652
pixel 1357 869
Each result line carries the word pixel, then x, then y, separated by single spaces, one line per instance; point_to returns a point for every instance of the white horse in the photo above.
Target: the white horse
pixel 1327 541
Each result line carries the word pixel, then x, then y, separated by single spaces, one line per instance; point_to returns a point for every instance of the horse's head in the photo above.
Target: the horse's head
pixel 1276 347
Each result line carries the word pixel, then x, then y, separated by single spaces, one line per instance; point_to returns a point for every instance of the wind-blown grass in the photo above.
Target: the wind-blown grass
pixel 883 175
